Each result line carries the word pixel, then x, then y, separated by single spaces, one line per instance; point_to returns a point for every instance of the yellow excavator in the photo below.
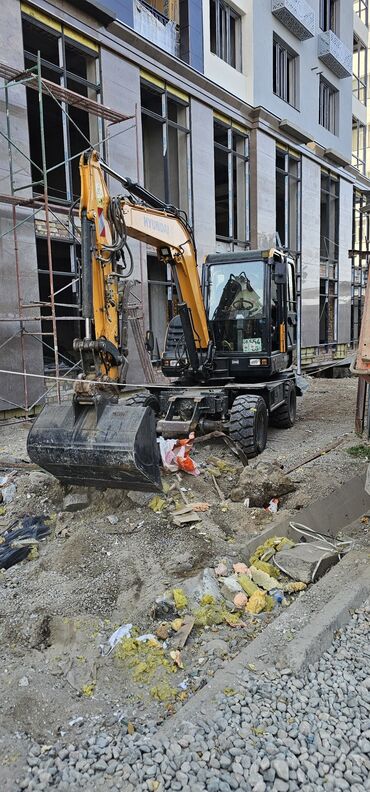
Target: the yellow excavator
pixel 228 353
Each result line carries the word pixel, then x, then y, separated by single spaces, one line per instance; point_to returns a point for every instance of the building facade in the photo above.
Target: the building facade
pixel 250 116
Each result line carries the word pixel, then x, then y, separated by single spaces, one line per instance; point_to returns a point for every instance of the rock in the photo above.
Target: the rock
pixel 113 519
pixel 230 587
pixel 301 561
pixel 260 483
pixel 76 501
pixel 38 479
pixel 139 498
pixel 198 586
pixel 217 647
pixel 282 769
pixel 23 682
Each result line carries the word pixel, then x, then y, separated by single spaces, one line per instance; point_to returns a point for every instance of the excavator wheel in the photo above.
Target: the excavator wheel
pixel 248 424
pixel 143 398
pixel 285 415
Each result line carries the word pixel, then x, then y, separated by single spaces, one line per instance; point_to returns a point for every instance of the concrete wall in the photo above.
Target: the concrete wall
pixel 306 116
pixel 311 181
pixel 236 82
pixel 254 84
pixel 12 391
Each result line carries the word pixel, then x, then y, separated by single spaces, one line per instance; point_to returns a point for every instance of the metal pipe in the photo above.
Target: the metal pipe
pixel 47 222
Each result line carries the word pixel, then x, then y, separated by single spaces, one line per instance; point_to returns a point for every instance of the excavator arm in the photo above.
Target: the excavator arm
pixel 98 440
pixel 105 225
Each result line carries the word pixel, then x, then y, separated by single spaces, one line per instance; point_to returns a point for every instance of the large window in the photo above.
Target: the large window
pixel 166 144
pixel 328 15
pixel 70 64
pixel 359 82
pixel 329 247
pixel 288 199
pixel 166 151
pixel 231 183
pixel 358 145
pixel 360 7
pixel 360 261
pixel 285 73
pixel 225 33
pixel 328 106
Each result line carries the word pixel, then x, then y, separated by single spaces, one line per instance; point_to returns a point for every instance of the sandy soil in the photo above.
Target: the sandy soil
pixel 94 574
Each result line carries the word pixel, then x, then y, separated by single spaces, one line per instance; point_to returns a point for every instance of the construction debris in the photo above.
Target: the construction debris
pixel 306 562
pixel 76 501
pixel 260 483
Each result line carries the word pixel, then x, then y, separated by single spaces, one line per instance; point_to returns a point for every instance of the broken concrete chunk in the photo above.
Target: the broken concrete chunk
pixel 76 501
pixel 230 587
pixel 200 585
pixel 260 483
pixel 139 498
pixel 305 561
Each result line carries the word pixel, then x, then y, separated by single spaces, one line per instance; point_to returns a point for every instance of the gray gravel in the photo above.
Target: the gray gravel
pixel 281 734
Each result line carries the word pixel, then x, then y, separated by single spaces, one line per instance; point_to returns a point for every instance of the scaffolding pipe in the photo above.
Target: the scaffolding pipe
pixel 47 222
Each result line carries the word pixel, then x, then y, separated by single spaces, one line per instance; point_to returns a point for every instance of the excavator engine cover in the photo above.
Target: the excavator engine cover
pixel 98 445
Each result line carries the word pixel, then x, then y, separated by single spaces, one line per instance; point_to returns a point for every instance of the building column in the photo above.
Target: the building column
pixel 203 180
pixel 13 355
pixel 262 190
pixel 310 261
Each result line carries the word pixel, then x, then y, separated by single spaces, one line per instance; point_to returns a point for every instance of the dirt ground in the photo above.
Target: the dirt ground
pixel 105 566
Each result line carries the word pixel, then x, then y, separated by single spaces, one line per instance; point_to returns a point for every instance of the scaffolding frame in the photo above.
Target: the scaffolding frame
pixel 63 97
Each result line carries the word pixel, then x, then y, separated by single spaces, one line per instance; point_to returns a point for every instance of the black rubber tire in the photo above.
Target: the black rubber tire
pixel 143 398
pixel 285 415
pixel 248 424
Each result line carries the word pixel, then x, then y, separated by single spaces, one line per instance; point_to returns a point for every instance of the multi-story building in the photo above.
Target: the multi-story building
pixel 361 163
pixel 239 113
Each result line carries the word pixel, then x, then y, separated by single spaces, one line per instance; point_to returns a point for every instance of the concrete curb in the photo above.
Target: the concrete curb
pixel 295 640
pixel 328 515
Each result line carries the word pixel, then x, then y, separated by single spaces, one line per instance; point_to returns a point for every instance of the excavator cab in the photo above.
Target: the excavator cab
pixel 250 301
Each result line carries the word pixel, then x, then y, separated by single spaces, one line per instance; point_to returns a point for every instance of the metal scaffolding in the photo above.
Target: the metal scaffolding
pixel 63 97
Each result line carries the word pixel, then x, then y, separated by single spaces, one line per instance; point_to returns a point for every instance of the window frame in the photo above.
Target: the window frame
pixel 329 15
pixel 234 156
pixel 63 76
pixel 359 83
pixel 359 260
pixel 361 8
pixel 329 263
pixel 222 46
pixel 358 161
pixel 166 94
pixel 289 178
pixel 285 72
pixel 328 105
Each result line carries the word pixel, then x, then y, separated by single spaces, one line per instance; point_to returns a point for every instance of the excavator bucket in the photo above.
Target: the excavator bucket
pixel 103 445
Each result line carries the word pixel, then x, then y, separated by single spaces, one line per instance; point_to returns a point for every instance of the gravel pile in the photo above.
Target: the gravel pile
pixel 310 733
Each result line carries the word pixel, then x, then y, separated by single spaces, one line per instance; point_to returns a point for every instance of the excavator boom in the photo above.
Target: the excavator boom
pixel 98 440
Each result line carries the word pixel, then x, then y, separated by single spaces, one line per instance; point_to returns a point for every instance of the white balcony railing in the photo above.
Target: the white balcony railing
pixel 334 54
pixel 297 16
pixel 154 26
